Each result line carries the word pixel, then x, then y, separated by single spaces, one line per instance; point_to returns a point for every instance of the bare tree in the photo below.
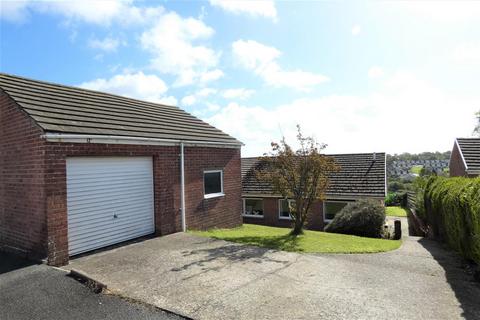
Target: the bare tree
pixel 476 131
pixel 300 175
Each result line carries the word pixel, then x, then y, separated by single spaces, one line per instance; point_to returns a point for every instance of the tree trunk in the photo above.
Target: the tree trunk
pixel 298 226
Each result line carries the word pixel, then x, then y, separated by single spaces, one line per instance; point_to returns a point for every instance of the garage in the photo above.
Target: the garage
pixel 83 170
pixel 109 200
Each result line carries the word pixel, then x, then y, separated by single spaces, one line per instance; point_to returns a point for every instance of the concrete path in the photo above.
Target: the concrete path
pixel 212 279
pixel 31 291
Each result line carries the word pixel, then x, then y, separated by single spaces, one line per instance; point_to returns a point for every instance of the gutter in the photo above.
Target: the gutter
pixel 110 139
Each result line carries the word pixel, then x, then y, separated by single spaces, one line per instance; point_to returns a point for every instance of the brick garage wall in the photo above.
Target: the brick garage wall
pixel 201 213
pixel 222 212
pixel 456 166
pixel 270 216
pixel 22 197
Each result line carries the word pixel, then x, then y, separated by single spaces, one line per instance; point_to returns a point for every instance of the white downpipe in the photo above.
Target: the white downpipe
pixel 182 186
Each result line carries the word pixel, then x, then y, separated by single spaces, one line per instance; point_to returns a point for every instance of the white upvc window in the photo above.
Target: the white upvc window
pixel 253 207
pixel 332 207
pixel 213 183
pixel 284 208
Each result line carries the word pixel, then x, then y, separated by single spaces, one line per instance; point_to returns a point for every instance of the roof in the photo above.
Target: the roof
pixel 359 176
pixel 69 110
pixel 470 150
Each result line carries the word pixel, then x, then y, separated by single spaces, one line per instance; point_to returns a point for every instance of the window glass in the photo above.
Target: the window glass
pixel 332 208
pixel 284 208
pixel 213 182
pixel 253 207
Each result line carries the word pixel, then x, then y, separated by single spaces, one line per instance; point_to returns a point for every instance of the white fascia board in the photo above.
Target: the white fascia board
pixel 108 139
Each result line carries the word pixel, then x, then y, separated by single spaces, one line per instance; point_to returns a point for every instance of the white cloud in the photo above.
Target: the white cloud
pixel 172 43
pixel 205 92
pixel 107 44
pixel 375 72
pixel 199 95
pixel 356 29
pixel 188 100
pixel 447 11
pixel 100 12
pixel 358 123
pixel 238 93
pixel 134 85
pixel 209 76
pixel 262 60
pixel 254 8
pixel 467 53
pixel 14 11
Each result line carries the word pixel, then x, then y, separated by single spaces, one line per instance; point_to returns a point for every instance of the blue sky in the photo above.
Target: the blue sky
pixel 359 76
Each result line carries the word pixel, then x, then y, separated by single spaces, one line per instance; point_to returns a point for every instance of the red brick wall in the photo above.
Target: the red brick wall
pixel 201 213
pixel 456 166
pixel 222 212
pixel 22 197
pixel 270 216
pixel 33 208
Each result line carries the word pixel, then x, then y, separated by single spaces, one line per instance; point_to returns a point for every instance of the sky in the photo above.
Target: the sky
pixel 359 76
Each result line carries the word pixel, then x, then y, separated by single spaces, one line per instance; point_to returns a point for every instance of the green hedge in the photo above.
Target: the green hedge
pixel 452 209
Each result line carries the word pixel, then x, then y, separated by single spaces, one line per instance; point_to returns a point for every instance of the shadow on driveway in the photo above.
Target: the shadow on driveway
pixel 467 291
pixel 230 253
pixel 10 262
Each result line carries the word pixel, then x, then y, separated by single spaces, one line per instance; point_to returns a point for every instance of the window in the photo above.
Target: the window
pixel 253 208
pixel 331 208
pixel 284 209
pixel 213 183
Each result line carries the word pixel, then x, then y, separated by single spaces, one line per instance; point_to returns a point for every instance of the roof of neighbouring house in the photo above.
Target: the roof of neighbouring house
pixel 470 150
pixel 360 176
pixel 70 110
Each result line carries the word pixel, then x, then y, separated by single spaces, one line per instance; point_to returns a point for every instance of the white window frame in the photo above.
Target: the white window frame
pixel 251 215
pixel 325 220
pixel 280 209
pixel 217 194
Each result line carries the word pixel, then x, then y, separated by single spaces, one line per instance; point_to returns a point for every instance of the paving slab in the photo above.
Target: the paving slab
pixel 213 279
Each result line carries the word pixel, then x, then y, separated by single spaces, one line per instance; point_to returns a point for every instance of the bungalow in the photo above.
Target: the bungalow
pixel 465 158
pixel 82 170
pixel 361 176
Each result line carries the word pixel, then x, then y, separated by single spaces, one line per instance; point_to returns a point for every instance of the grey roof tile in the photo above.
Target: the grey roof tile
pixel 359 176
pixel 470 148
pixel 63 109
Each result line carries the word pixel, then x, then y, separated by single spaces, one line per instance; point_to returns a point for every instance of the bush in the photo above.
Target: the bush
pixel 419 189
pixel 363 218
pixel 396 199
pixel 452 209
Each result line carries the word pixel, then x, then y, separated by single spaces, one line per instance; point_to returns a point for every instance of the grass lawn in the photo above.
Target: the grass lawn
pixel 396 211
pixel 310 241
pixel 416 169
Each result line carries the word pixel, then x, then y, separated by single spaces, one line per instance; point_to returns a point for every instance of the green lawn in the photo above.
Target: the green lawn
pixel 396 211
pixel 310 241
pixel 416 169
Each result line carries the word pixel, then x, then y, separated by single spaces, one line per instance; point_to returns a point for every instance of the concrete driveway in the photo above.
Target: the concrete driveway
pixel 35 291
pixel 212 279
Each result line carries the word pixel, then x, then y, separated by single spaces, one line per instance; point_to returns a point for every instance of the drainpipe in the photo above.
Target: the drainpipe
pixel 182 186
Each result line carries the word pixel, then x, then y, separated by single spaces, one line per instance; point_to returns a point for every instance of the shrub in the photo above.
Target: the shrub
pixel 452 209
pixel 396 199
pixel 363 218
pixel 419 189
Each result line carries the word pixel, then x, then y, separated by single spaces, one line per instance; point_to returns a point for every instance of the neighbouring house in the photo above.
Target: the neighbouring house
pixel 361 176
pixel 82 170
pixel 465 158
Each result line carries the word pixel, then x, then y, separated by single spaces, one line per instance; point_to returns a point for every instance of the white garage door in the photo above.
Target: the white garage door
pixel 109 200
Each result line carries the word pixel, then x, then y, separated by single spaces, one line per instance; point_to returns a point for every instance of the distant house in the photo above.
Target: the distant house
pixel 465 159
pixel 361 176
pixel 82 170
